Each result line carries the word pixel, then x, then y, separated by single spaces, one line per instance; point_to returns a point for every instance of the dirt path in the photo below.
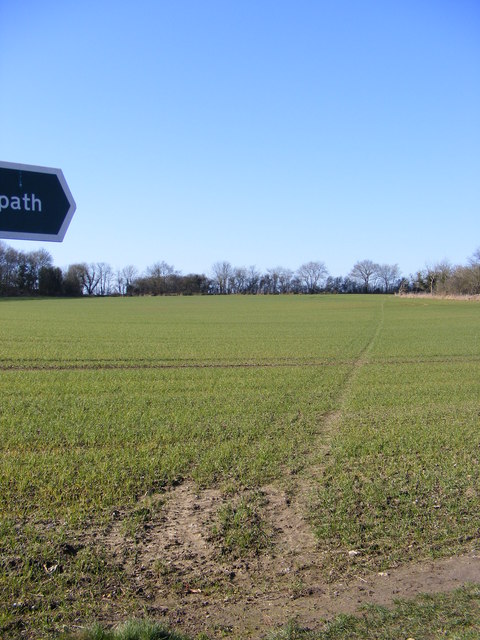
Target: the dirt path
pixel 181 576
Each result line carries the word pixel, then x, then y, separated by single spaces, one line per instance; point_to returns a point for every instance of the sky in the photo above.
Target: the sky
pixel 261 132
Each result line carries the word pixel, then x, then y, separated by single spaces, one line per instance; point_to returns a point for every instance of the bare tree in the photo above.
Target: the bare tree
pixel 238 280
pixel 364 271
pixel 388 275
pixel 105 275
pixel 437 275
pixel 311 275
pixel 285 277
pixel 119 280
pixel 253 279
pixel 161 275
pixel 222 273
pixel 475 259
pixel 459 280
pixel 272 282
pixel 474 263
pixel 277 280
pixel 128 274
pixel 464 281
pixel 90 278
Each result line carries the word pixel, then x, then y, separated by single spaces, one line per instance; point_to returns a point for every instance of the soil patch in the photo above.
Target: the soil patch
pixel 177 569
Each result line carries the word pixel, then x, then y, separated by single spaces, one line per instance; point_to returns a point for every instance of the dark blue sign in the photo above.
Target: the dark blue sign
pixel 35 203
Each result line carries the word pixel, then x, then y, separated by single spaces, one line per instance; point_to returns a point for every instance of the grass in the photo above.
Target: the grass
pixel 404 472
pixel 182 331
pixel 132 630
pixel 79 442
pixel 107 401
pixel 240 527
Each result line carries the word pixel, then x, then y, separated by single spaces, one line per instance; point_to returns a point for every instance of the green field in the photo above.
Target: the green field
pixel 373 400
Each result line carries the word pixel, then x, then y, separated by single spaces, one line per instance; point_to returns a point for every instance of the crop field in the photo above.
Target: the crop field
pixel 228 465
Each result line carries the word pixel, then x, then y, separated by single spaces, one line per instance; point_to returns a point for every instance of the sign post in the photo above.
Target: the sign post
pixel 35 203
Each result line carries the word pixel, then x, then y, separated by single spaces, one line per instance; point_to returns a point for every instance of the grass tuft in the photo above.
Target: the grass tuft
pixel 131 630
pixel 240 527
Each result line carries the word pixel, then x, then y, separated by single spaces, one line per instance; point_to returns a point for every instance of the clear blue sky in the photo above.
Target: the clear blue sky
pixel 265 132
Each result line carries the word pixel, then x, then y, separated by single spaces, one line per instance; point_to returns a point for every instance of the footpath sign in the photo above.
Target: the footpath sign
pixel 35 203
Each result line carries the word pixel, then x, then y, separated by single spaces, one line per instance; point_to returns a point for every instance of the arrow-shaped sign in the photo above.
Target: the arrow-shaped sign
pixel 35 203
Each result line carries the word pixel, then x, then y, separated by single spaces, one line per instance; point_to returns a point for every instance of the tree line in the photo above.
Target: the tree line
pixel 33 273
